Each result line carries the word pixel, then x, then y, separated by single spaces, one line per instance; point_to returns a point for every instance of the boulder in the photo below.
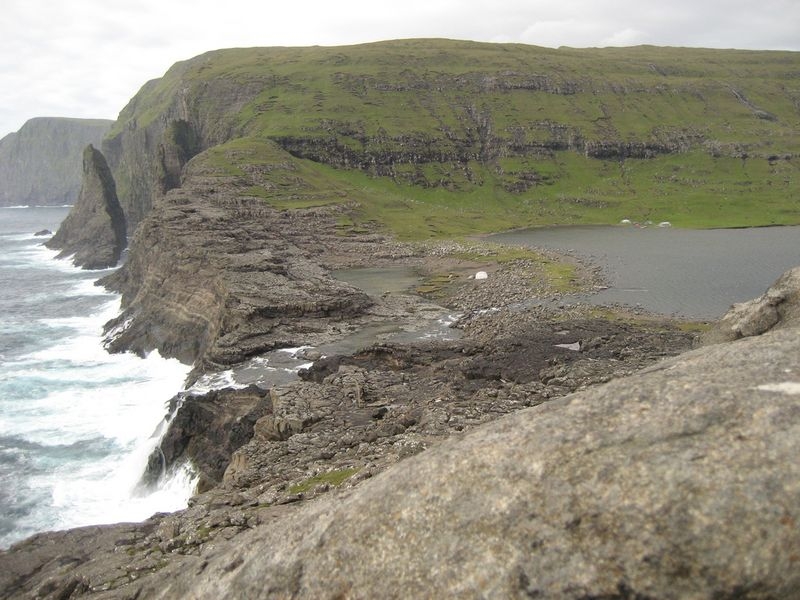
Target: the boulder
pixel 778 307
pixel 94 231
pixel 205 432
pixel 679 482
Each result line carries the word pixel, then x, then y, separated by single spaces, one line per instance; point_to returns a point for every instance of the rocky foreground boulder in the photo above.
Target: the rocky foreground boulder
pixel 94 232
pixel 778 307
pixel 681 481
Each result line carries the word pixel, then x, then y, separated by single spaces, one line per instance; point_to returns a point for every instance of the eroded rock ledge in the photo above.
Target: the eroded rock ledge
pixel 213 279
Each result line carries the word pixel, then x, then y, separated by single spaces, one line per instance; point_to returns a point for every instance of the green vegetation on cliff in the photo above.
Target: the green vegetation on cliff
pixel 435 138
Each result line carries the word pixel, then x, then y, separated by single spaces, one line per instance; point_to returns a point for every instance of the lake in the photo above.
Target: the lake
pixel 684 272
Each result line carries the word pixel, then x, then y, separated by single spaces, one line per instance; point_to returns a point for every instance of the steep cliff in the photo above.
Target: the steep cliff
pixel 41 163
pixel 216 277
pixel 94 231
pixel 521 134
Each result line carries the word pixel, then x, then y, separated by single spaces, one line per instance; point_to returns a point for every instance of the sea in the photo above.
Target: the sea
pixel 76 423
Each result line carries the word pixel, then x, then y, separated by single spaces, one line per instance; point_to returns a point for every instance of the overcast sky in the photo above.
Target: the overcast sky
pixel 86 58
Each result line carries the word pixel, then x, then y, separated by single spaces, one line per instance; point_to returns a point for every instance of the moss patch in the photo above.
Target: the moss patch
pixel 334 478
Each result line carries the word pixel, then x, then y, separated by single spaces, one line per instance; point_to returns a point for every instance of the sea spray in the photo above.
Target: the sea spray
pixel 77 423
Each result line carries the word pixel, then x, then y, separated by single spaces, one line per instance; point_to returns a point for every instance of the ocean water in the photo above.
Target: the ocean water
pixel 76 423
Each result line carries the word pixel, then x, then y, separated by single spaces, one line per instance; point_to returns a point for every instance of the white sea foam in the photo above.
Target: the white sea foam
pixel 88 287
pixel 215 381
pixel 294 351
pixel 84 420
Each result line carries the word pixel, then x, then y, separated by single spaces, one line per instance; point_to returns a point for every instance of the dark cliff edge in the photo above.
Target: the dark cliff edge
pixel 40 165
pixel 214 279
pixel 94 233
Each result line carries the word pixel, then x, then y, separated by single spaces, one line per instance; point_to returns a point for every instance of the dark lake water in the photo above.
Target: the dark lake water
pixel 692 273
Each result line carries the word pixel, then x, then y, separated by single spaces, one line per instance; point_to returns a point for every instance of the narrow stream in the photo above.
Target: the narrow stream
pixel 282 366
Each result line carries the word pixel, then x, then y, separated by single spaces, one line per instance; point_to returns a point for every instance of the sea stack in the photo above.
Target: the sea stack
pixel 95 229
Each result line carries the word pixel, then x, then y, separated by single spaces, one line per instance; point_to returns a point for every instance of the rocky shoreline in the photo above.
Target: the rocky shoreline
pixel 300 458
pixel 547 448
pixel 218 279
pixel 264 453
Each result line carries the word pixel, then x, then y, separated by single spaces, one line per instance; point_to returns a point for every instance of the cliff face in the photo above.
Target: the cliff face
pixel 41 163
pixel 479 118
pixel 94 231
pixel 216 278
pixel 168 122
pixel 418 138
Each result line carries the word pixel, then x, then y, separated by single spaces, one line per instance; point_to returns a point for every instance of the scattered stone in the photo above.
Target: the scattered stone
pixel 576 346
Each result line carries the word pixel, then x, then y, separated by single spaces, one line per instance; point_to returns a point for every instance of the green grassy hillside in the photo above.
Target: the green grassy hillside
pixel 441 138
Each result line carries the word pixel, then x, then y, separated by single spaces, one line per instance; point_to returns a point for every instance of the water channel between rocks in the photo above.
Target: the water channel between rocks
pixel 695 274
pixel 431 322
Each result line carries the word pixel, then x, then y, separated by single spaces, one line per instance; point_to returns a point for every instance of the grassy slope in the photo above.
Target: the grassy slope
pixel 732 169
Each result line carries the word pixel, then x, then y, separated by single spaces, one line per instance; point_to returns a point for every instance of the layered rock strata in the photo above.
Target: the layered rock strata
pixel 213 279
pixel 95 232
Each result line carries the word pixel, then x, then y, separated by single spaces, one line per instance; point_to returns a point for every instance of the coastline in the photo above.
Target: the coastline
pixel 77 421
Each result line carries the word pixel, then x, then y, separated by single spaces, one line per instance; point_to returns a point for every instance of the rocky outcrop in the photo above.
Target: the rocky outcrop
pixel 655 486
pixel 214 279
pixel 40 165
pixel 205 432
pixel 778 307
pixel 94 233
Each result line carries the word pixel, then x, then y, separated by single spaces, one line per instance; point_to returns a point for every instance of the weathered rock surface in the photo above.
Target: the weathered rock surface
pixel 206 430
pixel 352 418
pixel 217 284
pixel 41 163
pixel 95 230
pixel 778 307
pixel 215 276
pixel 678 482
